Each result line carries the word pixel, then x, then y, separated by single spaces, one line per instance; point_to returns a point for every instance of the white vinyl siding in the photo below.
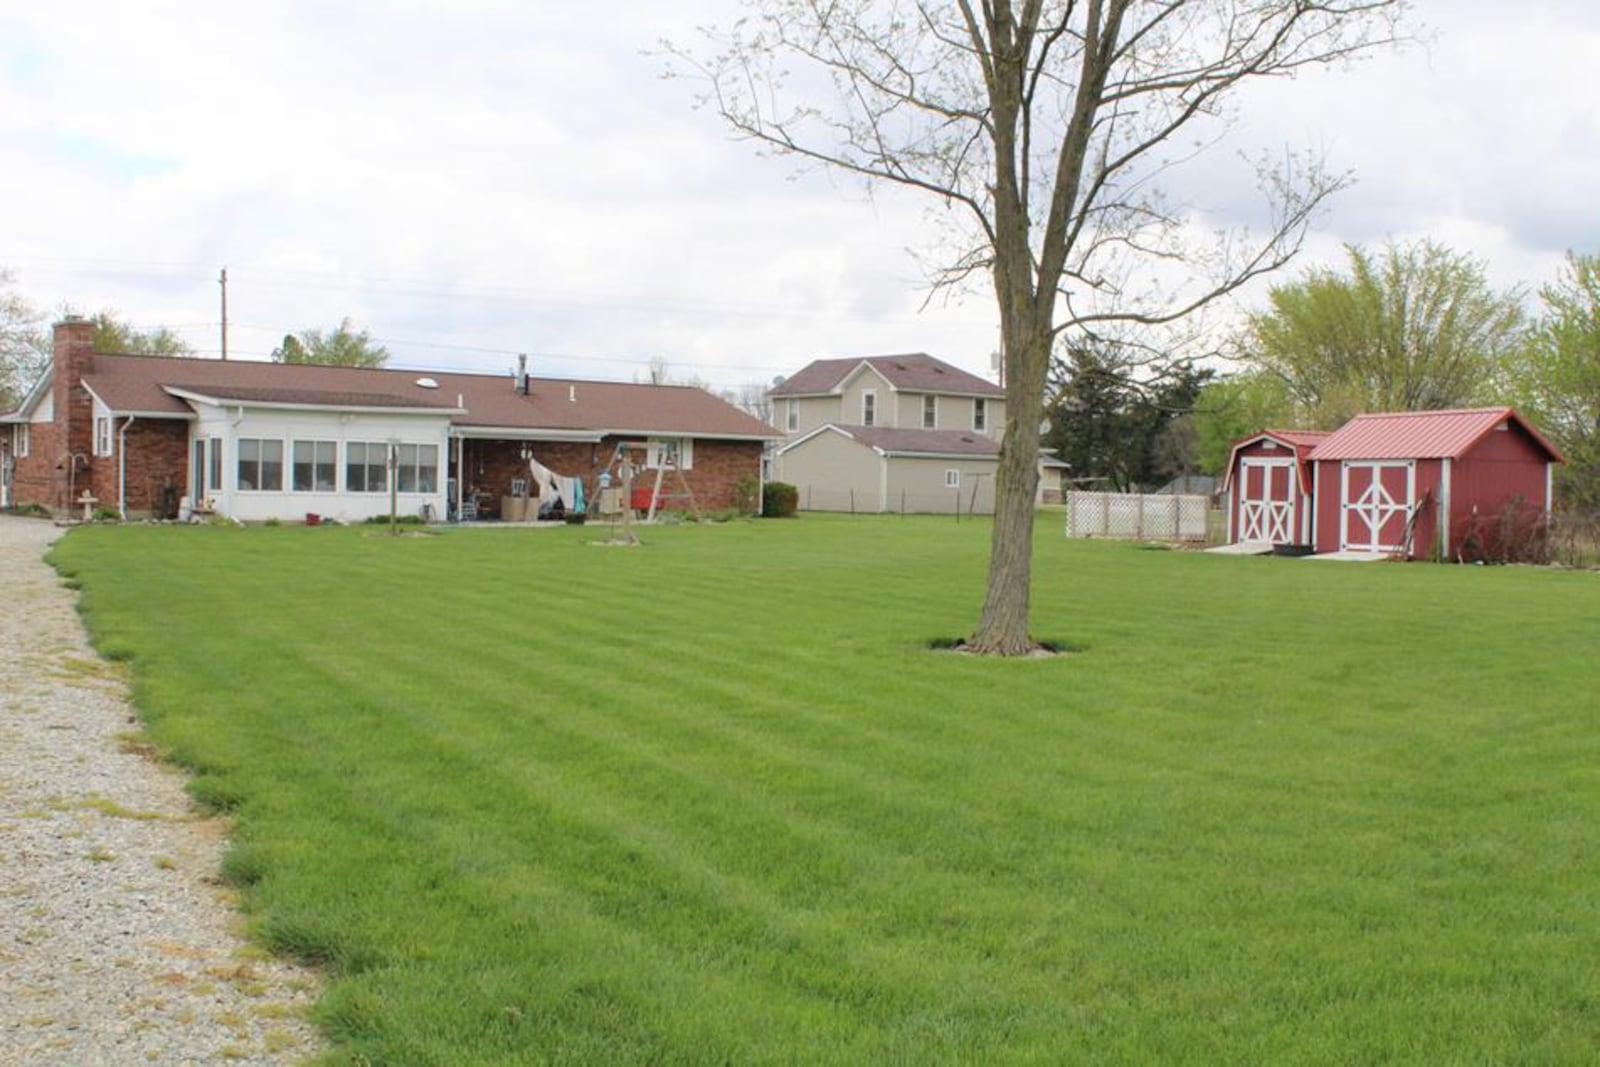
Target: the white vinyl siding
pixel 333 465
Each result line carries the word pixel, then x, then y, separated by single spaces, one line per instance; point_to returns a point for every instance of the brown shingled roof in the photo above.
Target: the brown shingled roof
pixel 914 372
pixel 917 442
pixel 139 385
pixel 311 397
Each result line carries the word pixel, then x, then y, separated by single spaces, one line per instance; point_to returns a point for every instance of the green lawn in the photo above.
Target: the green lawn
pixel 712 800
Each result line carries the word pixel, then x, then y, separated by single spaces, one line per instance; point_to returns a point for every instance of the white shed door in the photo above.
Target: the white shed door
pixel 1376 504
pixel 1266 500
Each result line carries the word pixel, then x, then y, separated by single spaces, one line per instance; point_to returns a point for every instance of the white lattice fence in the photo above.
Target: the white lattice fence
pixel 1137 516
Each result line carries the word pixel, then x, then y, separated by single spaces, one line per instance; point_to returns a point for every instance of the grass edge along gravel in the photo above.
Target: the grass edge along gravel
pixel 714 800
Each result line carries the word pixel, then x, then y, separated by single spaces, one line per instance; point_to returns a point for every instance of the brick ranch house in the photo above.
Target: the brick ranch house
pixel 258 441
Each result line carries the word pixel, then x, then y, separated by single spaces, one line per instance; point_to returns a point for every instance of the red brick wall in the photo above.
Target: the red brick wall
pixel 36 479
pixel 58 463
pixel 74 409
pixel 158 456
pixel 61 462
pixel 718 467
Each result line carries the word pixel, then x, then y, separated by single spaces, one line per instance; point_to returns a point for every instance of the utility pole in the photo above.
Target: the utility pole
pixel 394 477
pixel 223 281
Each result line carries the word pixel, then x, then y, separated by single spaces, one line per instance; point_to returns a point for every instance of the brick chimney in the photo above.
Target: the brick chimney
pixel 73 357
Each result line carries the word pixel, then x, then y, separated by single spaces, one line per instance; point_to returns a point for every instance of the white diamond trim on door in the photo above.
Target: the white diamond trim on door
pixel 1265 519
pixel 1374 507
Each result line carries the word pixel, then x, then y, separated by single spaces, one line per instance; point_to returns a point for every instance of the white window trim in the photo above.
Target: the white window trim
pixel 216 469
pixel 21 441
pixel 869 395
pixel 980 415
pixel 952 478
pixel 792 418
pixel 934 401
pixel 417 467
pixel 102 435
pixel 653 450
pixel 366 463
pixel 290 463
pixel 284 474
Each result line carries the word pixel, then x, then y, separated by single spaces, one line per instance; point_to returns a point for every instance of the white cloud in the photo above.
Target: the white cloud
pixel 516 177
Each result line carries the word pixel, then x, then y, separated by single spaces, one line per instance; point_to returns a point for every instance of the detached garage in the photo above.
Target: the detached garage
pixel 1406 483
pixel 877 469
pixel 1268 488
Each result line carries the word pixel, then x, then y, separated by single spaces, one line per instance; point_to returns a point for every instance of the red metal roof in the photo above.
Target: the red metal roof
pixel 1447 434
pixel 139 385
pixel 914 372
pixel 1300 442
pixel 1300 438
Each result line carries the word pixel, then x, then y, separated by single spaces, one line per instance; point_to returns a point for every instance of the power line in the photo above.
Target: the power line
pixel 442 290
pixel 640 304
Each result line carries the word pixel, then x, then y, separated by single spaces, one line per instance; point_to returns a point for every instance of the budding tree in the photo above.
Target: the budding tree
pixel 1051 125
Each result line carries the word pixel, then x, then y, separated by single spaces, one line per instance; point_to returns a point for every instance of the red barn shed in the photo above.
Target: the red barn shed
pixel 1268 488
pixel 1407 482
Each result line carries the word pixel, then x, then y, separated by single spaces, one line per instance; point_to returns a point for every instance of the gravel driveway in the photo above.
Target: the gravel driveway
pixel 117 945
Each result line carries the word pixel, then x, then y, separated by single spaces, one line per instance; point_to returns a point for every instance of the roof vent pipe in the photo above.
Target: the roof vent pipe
pixel 522 374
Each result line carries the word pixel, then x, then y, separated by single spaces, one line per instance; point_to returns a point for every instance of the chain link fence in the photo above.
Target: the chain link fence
pixel 962 502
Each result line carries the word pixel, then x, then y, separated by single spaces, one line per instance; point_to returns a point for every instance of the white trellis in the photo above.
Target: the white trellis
pixel 1138 516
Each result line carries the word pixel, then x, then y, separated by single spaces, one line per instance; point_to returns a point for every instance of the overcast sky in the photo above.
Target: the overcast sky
pixel 476 178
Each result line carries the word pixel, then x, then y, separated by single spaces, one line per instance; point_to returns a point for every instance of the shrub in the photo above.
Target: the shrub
pixel 1575 539
pixel 746 495
pixel 1517 533
pixel 780 501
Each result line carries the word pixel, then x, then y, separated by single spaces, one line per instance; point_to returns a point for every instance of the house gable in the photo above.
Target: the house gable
pixel 37 404
pixel 853 391
pixel 903 388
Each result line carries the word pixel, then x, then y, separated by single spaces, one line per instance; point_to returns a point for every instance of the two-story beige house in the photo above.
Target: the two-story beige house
pixel 906 433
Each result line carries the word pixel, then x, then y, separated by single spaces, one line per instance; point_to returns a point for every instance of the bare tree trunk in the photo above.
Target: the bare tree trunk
pixel 1045 124
pixel 1003 626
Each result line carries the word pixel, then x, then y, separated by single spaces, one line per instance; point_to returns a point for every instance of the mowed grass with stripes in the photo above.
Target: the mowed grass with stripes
pixel 714 799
